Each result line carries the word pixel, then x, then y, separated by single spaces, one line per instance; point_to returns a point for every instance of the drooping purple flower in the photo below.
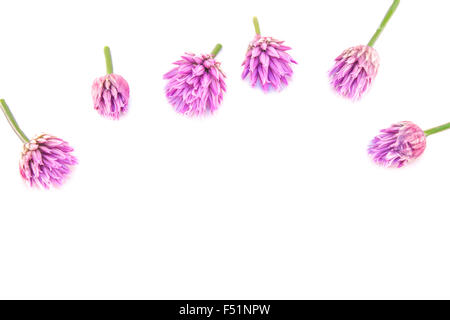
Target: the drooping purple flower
pixel 196 85
pixel 111 92
pixel 356 68
pixel 46 161
pixel 398 144
pixel 354 71
pixel 267 63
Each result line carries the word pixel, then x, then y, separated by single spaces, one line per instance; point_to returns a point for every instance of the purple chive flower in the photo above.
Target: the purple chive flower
pixel 398 144
pixel 356 68
pixel 401 143
pixel 197 84
pixel 46 160
pixel 267 63
pixel 354 71
pixel 110 93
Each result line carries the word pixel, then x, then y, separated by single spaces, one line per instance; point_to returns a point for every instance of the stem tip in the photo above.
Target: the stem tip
pixel 256 24
pixel 108 59
pixel 216 49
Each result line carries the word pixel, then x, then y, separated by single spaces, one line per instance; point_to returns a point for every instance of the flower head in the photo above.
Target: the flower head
pixel 398 144
pixel 267 63
pixel 354 71
pixel 196 85
pixel 110 94
pixel 46 161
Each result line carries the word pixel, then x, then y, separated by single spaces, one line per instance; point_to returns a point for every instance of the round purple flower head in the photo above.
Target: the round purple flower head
pixel 197 84
pixel 356 68
pixel 401 143
pixel 398 144
pixel 354 71
pixel 46 160
pixel 111 92
pixel 267 63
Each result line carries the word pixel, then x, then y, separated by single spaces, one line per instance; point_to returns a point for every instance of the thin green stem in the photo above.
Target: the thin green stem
pixel 383 24
pixel 256 24
pixel 9 116
pixel 109 65
pixel 437 129
pixel 216 50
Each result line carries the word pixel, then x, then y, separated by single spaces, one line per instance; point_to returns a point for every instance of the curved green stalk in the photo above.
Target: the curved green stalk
pixel 383 24
pixel 108 59
pixel 9 116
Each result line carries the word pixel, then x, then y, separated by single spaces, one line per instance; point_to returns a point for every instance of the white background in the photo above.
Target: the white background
pixel 272 197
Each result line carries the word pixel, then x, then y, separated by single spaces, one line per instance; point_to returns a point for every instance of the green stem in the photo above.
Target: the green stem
pixel 109 65
pixel 13 122
pixel 216 50
pixel 256 24
pixel 383 24
pixel 437 129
